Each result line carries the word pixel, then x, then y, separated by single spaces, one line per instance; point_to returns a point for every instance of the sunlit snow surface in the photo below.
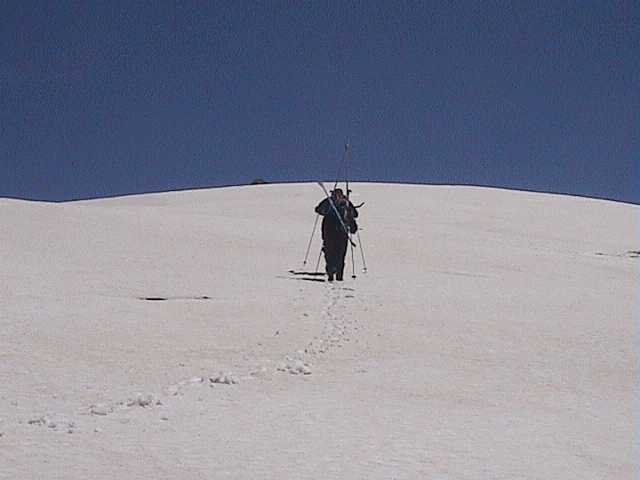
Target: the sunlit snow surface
pixel 178 335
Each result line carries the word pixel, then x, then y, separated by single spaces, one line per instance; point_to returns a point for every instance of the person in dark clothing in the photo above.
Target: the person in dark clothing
pixel 334 236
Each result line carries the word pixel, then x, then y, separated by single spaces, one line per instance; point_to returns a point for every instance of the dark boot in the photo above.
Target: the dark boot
pixel 340 272
pixel 331 271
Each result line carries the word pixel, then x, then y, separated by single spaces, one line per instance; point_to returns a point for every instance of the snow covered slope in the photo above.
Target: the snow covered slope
pixel 162 336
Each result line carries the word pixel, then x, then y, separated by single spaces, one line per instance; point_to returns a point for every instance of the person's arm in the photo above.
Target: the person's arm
pixel 323 207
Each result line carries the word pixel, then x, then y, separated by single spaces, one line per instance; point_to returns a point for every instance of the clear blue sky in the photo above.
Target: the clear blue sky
pixel 108 98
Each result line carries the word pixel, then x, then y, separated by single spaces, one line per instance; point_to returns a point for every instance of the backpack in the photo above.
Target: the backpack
pixel 346 212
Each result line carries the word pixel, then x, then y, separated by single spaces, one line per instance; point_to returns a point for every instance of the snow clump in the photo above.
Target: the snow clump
pixel 224 378
pixel 143 401
pixel 100 409
pixel 294 366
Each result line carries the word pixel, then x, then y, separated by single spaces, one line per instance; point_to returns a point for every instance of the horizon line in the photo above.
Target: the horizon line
pixel 288 182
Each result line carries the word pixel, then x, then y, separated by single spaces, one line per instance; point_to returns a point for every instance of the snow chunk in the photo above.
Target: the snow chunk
pixel 52 423
pixel 224 378
pixel 143 401
pixel 294 366
pixel 100 409
pixel 40 421
pixel 173 390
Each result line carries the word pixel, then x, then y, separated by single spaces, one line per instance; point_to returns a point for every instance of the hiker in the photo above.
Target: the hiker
pixel 334 236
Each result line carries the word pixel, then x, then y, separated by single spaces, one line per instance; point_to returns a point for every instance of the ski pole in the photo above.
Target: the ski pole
pixel 364 264
pixel 318 262
pixel 353 264
pixel 347 155
pixel 315 224
pixel 341 165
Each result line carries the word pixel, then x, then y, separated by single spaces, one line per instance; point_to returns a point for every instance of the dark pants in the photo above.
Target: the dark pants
pixel 335 248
